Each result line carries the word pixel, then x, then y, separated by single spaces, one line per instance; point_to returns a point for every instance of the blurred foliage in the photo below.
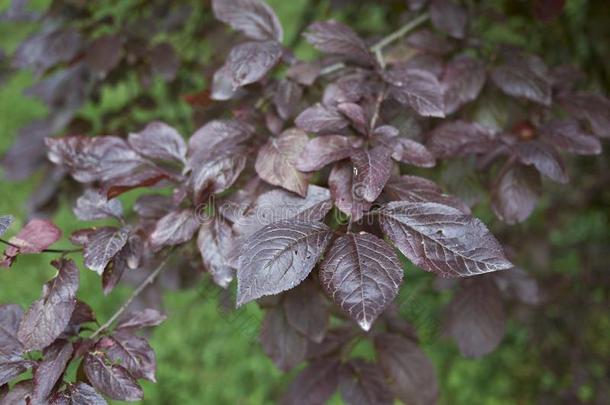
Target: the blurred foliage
pixel 557 352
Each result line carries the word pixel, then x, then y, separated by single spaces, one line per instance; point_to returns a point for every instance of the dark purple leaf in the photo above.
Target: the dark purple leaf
pixel 306 311
pixel 10 370
pixel 314 385
pixel 372 169
pixel 104 53
pixel 93 205
pixel 361 274
pixel 326 149
pixel 145 175
pixel 319 118
pixel 112 380
pixel 335 38
pixel 516 194
pixel 442 239
pixel 418 89
pixel 50 369
pixel 47 49
pixel 524 76
pixel 428 41
pixel 547 10
pixel 345 196
pixel 28 152
pixel 252 17
pixel 410 372
pixel 78 394
pixel 5 223
pixel 140 319
pixel 475 317
pixel 408 151
pixel 277 159
pixel 544 158
pixel 287 97
pixel 175 228
pixel 350 88
pixel 304 73
pixel 93 159
pixel 132 352
pixel 362 383
pixel 280 341
pixel 568 135
pixel 222 85
pixel 48 317
pixel 449 17
pixel 334 340
pixel 518 284
pixel 217 134
pixel 357 116
pixel 10 347
pixel 460 138
pixel 279 257
pixel 591 107
pixel 159 141
pixel 103 245
pixel 65 90
pixel 215 242
pixel 164 61
pixel 216 171
pixel 418 189
pixel 153 206
pixel 251 61
pixel 463 80
pixel 18 395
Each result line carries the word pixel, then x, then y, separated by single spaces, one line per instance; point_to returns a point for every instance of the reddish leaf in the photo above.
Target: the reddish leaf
pixel 164 61
pixel 429 41
pixel 441 239
pixel 45 50
pixel 356 115
pixel 253 17
pixel 78 394
pixel 277 159
pixel 361 273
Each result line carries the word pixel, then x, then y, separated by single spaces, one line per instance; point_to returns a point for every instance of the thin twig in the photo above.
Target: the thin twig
pixel 62 251
pixel 378 102
pixel 331 68
pixel 149 280
pixel 405 29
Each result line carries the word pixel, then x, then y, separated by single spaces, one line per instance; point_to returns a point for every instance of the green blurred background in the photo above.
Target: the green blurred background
pixel 208 355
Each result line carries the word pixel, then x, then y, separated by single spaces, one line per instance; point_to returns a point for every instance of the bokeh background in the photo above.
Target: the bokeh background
pixel 555 352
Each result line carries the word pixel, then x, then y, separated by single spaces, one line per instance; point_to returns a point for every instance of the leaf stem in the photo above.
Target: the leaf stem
pixel 405 29
pixel 149 280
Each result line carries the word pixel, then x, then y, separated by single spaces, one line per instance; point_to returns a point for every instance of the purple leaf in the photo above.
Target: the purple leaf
pixel 159 141
pixel 93 205
pixel 361 273
pixel 306 311
pixel 216 135
pixel 326 149
pixel 251 61
pixel 277 159
pixel 591 107
pixel 48 317
pixel 518 284
pixel 153 206
pixel 112 380
pixel 408 151
pixel 12 369
pixel 10 347
pixel 164 61
pixel 357 116
pixel 214 242
pixel 175 228
pixel 252 17
pixel 463 80
pixel 287 97
pixel 5 223
pixel 319 118
pixel 346 197
pixel 544 158
pixel 406 366
pixel 222 85
pixel 418 89
pixel 103 245
pixel 516 194
pixel 442 239
pixel 460 138
pixel 104 53
pixel 216 171
pixel 93 159
pixel 315 384
pixel 418 189
pixel 372 169
pixel 332 344
pixel 475 317
pixel 51 369
pixel 304 73
pixel 338 39
pixel 140 319
pixel 449 17
pixel 47 49
pixel 19 394
pixel 78 394
pixel 568 135
pixel 279 205
pixel 428 41
pixel 362 383
pixel 280 341
pixel 132 352
pixel 524 76
pixel 279 257
pixel 35 236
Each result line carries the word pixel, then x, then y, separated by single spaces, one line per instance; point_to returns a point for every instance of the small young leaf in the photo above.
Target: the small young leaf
pixel 441 239
pixel 34 237
pixel 361 273
pixel 164 61
pixel 357 116
pixel 252 17
pixel 279 257
pixel 104 53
